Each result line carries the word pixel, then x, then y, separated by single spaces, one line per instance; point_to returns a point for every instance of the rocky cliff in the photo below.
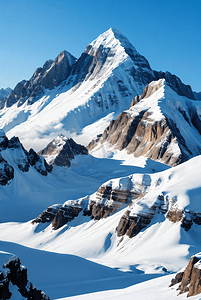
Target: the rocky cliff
pixel 154 127
pixel 190 278
pixel 52 74
pixel 13 154
pixel 14 274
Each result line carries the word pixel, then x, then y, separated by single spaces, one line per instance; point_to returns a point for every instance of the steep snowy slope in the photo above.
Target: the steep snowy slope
pixel 109 73
pixel 160 124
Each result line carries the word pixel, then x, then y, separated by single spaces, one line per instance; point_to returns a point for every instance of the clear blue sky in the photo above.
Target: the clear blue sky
pixel 166 32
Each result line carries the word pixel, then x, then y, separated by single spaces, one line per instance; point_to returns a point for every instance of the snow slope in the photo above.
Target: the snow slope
pixel 160 249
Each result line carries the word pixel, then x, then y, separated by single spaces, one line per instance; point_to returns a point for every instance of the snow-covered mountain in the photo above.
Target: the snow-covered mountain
pixel 118 220
pixel 160 125
pixel 61 151
pixel 67 94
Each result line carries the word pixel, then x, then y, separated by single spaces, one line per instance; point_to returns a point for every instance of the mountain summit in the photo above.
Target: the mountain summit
pixel 66 95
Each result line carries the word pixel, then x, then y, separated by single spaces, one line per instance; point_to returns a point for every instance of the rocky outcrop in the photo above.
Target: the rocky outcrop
pixel 20 157
pixel 6 171
pixel 52 74
pixel 13 272
pixel 190 279
pixel 61 151
pixel 65 214
pixel 39 163
pixel 47 215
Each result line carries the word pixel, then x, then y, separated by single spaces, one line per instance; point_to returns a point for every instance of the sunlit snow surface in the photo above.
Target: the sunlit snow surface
pixel 103 262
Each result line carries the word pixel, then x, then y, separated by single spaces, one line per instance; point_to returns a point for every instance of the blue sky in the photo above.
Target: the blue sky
pixel 167 33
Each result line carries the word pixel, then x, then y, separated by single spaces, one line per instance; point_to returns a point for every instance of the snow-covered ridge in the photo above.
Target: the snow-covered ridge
pixel 159 124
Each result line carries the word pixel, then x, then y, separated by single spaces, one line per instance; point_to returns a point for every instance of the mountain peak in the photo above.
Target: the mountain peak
pixel 112 38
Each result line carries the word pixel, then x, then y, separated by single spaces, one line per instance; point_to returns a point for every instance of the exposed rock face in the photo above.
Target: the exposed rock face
pixel 191 278
pixel 159 139
pixel 15 273
pixel 20 157
pixel 65 214
pixel 61 151
pixel 47 215
pixel 19 154
pixel 39 163
pixel 52 74
pixel 6 171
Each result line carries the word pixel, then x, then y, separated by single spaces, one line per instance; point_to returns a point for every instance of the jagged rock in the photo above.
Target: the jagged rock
pixel 3 140
pixel 21 157
pixel 52 74
pixel 65 214
pixel 99 211
pixel 132 225
pixel 177 279
pixel 4 288
pixel 19 154
pixel 39 163
pixel 15 273
pixel 141 134
pixel 48 214
pixel 61 151
pixel 191 278
pixel 6 171
pixel 134 101
pixel 195 283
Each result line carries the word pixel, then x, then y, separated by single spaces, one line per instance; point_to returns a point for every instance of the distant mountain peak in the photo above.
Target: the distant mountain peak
pixel 62 150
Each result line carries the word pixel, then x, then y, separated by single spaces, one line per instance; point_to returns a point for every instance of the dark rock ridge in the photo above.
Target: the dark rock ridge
pixel 61 151
pixel 93 63
pixel 13 272
pixel 20 157
pixel 176 84
pixel 4 93
pixel 136 131
pixel 52 74
pixel 131 224
pixel 107 201
pixel 66 214
pixel 59 214
pixel 47 215
pixel 190 279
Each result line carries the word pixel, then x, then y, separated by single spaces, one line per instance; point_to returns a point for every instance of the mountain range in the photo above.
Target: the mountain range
pixel 100 163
